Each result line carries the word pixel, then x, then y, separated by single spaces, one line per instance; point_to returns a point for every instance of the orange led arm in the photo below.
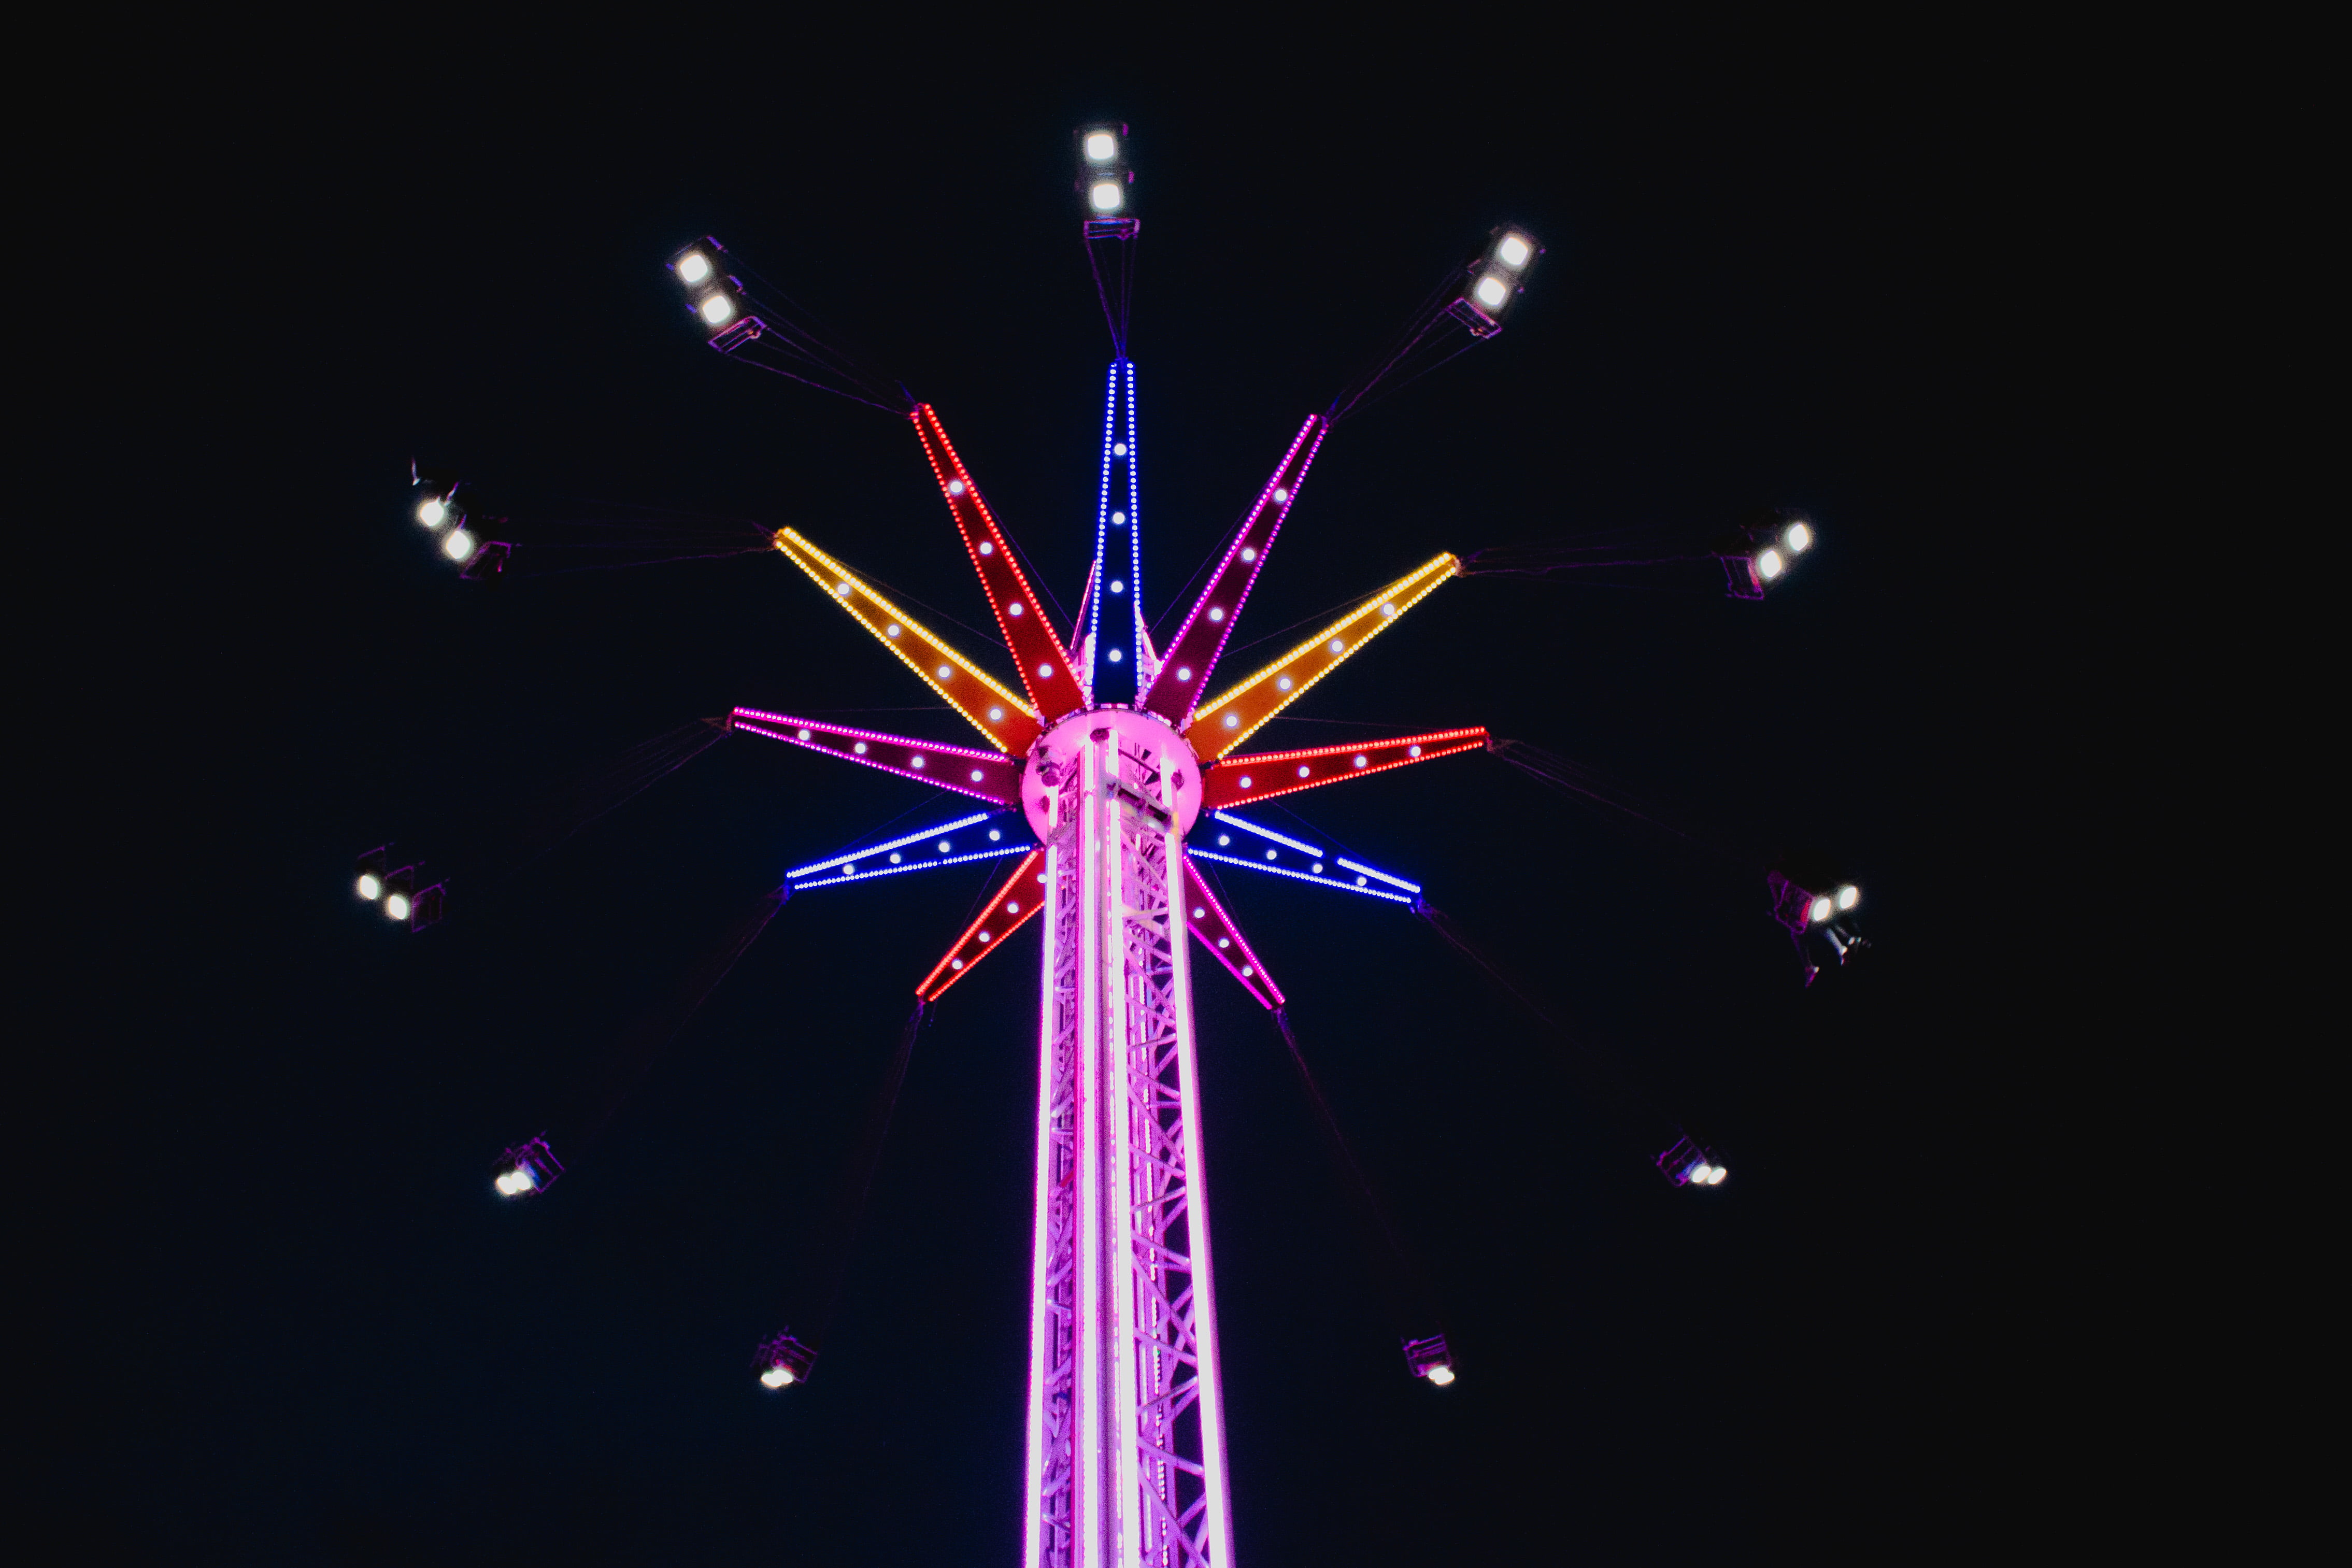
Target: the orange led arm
pixel 1045 670
pixel 1215 930
pixel 1234 717
pixel 1001 716
pixel 1021 896
pixel 1261 775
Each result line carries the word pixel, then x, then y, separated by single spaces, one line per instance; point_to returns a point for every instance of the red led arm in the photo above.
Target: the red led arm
pixel 1045 662
pixel 991 776
pixel 1185 668
pixel 1021 896
pixel 1215 930
pixel 1261 775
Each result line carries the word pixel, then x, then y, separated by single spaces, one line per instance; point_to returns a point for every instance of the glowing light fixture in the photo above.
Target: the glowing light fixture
pixel 1496 279
pixel 458 546
pixel 1101 147
pixel 1106 196
pixel 433 512
pixel 1848 896
pixel 1430 1358
pixel 717 310
pixel 1687 1164
pixel 527 1168
pixel 1761 548
pixel 369 875
pixel 693 267
pixel 784 1360
pixel 1821 908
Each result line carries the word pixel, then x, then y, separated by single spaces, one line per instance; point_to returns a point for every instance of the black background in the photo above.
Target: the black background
pixel 1783 268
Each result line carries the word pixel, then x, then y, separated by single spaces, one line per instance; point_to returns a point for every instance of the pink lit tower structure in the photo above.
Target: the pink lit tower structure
pixel 1112 774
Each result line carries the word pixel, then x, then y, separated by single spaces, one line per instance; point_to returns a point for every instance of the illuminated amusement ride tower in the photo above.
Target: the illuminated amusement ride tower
pixel 1112 771
pixel 1110 759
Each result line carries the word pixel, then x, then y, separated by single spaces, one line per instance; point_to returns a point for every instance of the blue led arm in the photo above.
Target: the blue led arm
pixel 949 844
pixel 1280 854
pixel 1118 580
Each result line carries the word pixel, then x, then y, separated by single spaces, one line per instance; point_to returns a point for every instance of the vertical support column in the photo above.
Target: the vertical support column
pixel 1208 1378
pixel 1126 1460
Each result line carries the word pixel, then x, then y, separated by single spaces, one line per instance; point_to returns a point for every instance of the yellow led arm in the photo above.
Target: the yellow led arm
pixel 1234 717
pixel 1007 720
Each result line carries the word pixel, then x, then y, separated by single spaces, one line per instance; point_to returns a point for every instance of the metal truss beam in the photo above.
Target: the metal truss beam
pixel 1016 903
pixel 1045 670
pixel 1191 658
pixel 1216 930
pixel 1262 775
pixel 983 836
pixel 991 776
pixel 996 712
pixel 1126 1429
pixel 1256 848
pixel 1238 714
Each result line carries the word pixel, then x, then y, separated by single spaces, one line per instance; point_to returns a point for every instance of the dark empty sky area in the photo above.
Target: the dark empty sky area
pixel 285 1316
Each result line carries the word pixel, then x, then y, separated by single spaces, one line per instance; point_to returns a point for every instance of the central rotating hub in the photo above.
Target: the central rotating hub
pixel 1142 735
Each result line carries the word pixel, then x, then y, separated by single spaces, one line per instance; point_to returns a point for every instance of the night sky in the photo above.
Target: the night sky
pixel 299 1326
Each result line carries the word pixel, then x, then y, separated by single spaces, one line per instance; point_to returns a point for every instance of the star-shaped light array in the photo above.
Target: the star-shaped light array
pixel 1108 661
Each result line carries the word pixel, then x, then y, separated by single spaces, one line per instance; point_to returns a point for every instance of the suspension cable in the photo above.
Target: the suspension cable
pixel 856 1190
pixel 1412 1304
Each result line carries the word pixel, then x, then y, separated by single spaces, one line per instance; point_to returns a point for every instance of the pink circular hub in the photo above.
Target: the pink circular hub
pixel 1138 735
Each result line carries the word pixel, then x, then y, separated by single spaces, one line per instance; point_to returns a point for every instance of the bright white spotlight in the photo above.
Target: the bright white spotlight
pixel 1770 565
pixel 1513 251
pixel 1848 896
pixel 458 546
pixel 693 266
pixel 1820 910
pixel 370 886
pixel 718 310
pixel 396 906
pixel 1101 147
pixel 1715 1174
pixel 434 512
pixel 776 1376
pixel 1798 538
pixel 1106 196
pixel 1441 1375
pixel 1491 291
